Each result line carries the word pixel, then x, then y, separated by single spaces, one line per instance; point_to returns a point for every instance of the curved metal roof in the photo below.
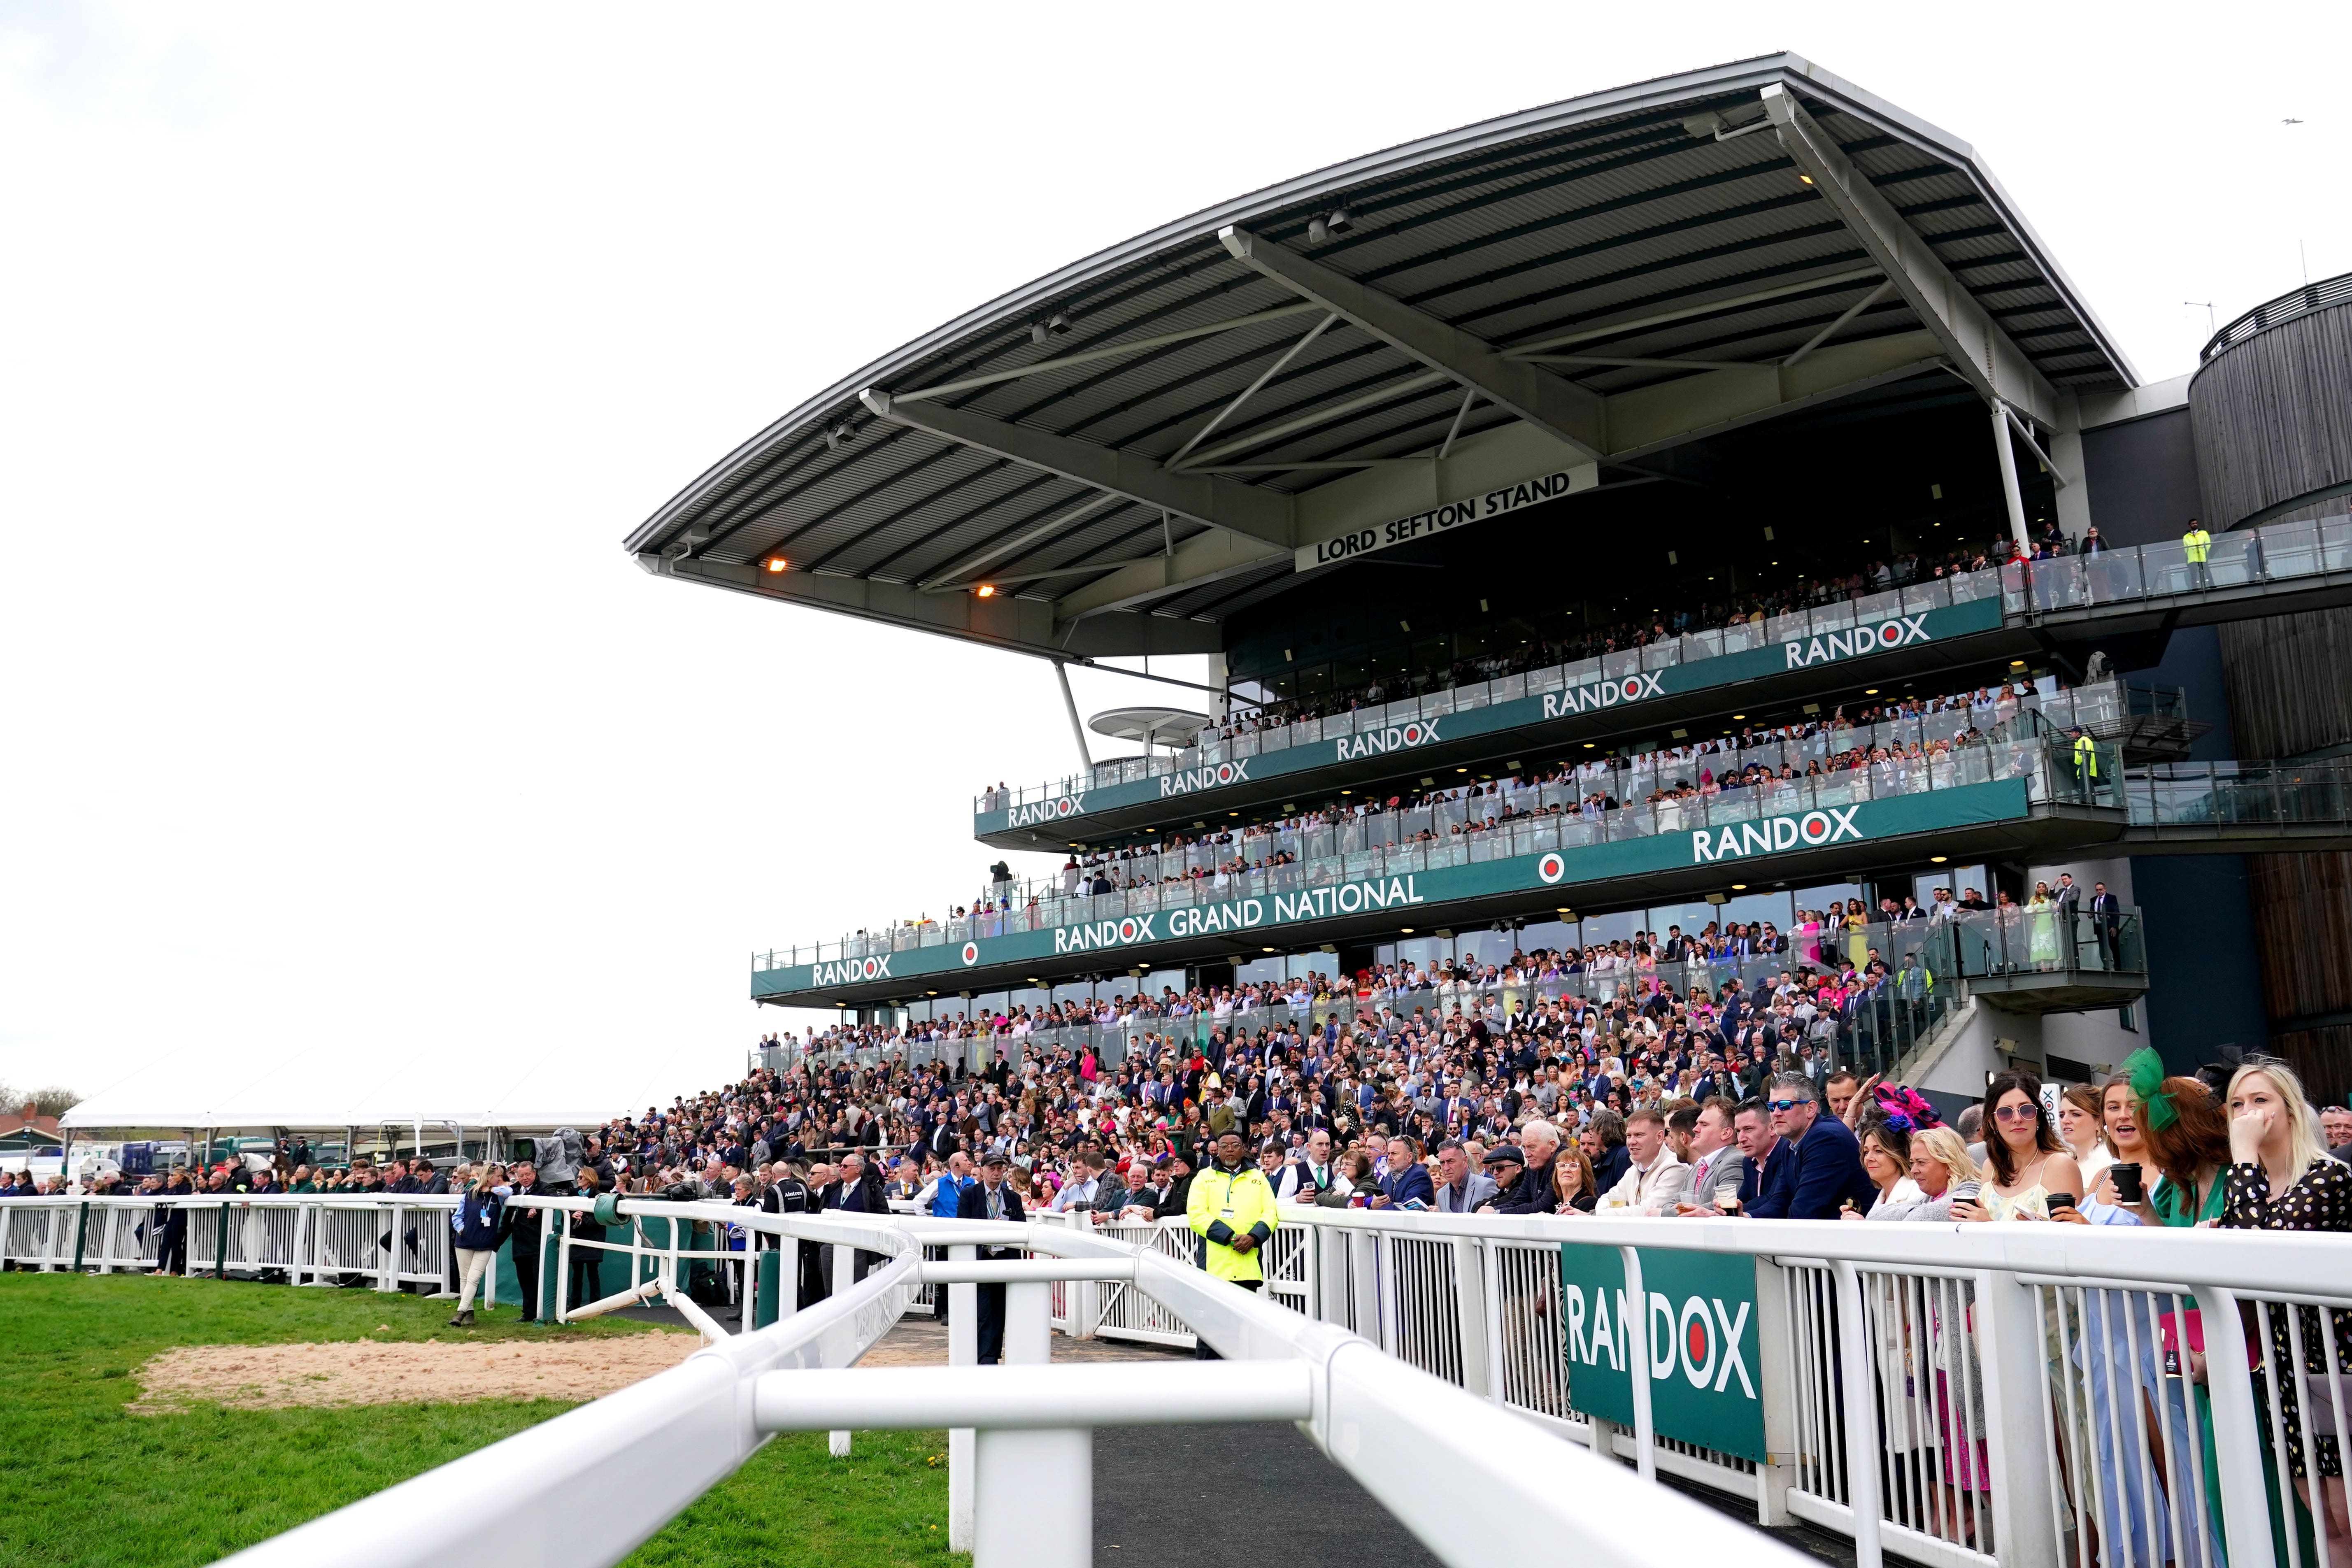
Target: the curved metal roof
pixel 1123 448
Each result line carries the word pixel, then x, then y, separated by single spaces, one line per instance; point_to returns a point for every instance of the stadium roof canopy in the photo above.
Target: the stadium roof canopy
pixel 1123 452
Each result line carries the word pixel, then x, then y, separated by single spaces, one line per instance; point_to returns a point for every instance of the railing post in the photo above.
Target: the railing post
pixel 1034 1494
pixel 1777 1383
pixel 1859 1403
pixel 1635 1304
pixel 388 1276
pixel 2238 1436
pixel 1470 1308
pixel 788 1284
pixel 2008 1339
pixel 964 1349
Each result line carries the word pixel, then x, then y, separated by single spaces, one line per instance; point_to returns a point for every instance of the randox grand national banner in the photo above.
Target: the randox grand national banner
pixel 1695 1331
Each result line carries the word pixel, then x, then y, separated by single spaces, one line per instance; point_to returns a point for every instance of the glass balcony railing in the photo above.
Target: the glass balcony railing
pixel 2244 796
pixel 1329 854
pixel 1903 978
pixel 2277 553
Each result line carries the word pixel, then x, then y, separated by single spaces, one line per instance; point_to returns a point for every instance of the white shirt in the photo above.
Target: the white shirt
pixel 1653 1191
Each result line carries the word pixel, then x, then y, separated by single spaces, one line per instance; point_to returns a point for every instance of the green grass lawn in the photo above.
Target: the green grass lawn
pixel 90 1485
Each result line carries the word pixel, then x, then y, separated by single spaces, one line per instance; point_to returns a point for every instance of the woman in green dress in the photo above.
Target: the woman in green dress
pixel 2042 926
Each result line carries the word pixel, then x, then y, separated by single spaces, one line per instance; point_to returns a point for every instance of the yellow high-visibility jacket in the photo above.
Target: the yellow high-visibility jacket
pixel 2196 542
pixel 2086 756
pixel 1225 1205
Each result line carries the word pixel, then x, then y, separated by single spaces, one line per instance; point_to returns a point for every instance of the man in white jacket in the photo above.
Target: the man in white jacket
pixel 1654 1181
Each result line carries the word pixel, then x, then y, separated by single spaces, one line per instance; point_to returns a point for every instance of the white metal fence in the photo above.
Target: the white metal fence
pixel 1963 1394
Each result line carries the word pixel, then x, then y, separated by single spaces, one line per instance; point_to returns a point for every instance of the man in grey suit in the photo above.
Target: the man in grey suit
pixel 1715 1157
pixel 1460 1189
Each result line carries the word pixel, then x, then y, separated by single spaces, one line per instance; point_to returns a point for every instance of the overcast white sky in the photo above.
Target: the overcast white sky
pixel 341 748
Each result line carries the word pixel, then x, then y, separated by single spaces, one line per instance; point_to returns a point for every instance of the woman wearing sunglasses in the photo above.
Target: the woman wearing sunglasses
pixel 2027 1168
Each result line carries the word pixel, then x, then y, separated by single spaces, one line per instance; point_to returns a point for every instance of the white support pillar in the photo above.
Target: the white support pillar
pixel 2238 1434
pixel 1470 1313
pixel 964 1349
pixel 2067 451
pixel 1636 1301
pixel 844 1270
pixel 1034 1506
pixel 2010 494
pixel 1070 705
pixel 1860 1389
pixel 2016 1371
pixel 788 1277
pixel 1777 1383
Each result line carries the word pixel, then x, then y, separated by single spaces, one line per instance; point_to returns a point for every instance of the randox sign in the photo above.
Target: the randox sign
pixel 1696 1332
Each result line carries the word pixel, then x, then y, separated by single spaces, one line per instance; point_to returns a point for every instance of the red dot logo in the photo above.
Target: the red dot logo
pixel 1633 687
pixel 1551 867
pixel 971 952
pixel 1126 931
pixel 1697 1347
pixel 1814 826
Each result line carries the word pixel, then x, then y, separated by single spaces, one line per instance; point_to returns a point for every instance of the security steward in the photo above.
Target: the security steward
pixel 2086 762
pixel 1232 1210
pixel 2196 544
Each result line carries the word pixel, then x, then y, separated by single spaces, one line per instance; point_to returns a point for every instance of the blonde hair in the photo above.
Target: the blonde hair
pixel 2303 1149
pixel 1946 1148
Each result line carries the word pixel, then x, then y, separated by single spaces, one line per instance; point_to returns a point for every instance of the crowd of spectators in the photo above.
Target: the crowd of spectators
pixel 1891 735
pixel 1898 571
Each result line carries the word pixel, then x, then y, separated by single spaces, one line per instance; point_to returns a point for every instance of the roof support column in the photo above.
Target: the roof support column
pixel 2008 490
pixel 2066 458
pixel 1070 705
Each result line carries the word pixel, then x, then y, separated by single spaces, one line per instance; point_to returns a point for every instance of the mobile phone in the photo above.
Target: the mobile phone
pixel 1966 1192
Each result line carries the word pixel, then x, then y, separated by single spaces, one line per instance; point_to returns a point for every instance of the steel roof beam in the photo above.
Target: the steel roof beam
pixel 1979 350
pixel 1110 351
pixel 1244 510
pixel 1560 408
pixel 1199 560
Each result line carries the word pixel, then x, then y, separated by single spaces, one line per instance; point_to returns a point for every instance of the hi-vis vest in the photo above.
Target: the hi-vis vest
pixel 2196 542
pixel 2086 756
pixel 1239 1200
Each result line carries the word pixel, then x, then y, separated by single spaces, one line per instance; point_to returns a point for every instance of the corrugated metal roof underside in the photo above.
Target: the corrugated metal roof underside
pixel 1621 215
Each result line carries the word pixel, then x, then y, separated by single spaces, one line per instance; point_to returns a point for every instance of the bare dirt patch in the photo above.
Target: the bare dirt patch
pixel 274 1377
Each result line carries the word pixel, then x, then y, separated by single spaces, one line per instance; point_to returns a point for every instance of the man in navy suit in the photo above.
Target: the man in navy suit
pixel 1820 1169
pixel 1407 1178
pixel 992 1197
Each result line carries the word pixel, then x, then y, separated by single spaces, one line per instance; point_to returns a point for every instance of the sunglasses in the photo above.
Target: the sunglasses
pixel 1785 1104
pixel 2016 1112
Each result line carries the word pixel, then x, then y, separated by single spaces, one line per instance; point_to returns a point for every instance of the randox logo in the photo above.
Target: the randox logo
pixel 1773 833
pixel 1599 694
pixel 1209 775
pixel 1698 1337
pixel 1045 810
pixel 1900 632
pixel 1395 738
pixel 1104 933
pixel 848 971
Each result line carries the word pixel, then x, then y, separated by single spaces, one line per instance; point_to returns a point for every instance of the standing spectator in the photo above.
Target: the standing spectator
pixel 2025 1163
pixel 587 1281
pixel 172 1239
pixel 476 1228
pixel 1407 1185
pixel 1460 1189
pixel 526 1227
pixel 992 1198
pixel 1823 1171
pixel 1310 1176
pixel 2280 1179
pixel 1716 1164
pixel 1654 1181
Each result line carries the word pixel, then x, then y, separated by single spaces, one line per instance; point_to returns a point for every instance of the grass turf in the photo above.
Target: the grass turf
pixel 91 1486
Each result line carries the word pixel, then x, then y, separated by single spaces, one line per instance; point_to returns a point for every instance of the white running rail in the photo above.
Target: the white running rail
pixel 1962 1394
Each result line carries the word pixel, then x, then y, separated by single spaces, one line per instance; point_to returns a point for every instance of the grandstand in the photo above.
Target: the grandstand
pixel 1640 439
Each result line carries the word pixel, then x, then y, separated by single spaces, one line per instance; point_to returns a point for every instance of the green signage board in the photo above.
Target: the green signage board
pixel 1408 894
pixel 1627 692
pixel 1695 1333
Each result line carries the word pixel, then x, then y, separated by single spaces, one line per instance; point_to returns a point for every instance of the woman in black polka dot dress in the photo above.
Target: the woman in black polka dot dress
pixel 2281 1179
